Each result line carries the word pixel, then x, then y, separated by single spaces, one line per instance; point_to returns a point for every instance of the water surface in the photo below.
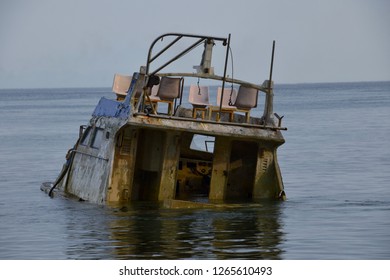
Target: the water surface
pixel 335 165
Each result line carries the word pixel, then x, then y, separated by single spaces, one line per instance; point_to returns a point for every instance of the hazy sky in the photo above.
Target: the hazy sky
pixel 82 43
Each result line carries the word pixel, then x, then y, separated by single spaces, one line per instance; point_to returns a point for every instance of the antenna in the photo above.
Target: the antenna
pixel 272 67
pixel 268 109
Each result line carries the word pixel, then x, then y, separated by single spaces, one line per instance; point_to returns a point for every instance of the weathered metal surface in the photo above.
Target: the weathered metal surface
pixel 219 173
pixel 273 137
pixel 127 154
pixel 88 174
pixel 111 108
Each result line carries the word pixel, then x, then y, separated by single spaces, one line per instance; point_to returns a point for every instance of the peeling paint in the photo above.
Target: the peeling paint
pixel 128 153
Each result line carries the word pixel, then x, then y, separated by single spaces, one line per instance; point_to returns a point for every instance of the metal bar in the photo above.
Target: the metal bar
pixel 150 102
pixel 272 66
pixel 178 56
pixel 179 35
pixel 224 77
pixel 211 122
pixel 181 95
pixel 268 109
pixel 216 77
pixel 164 49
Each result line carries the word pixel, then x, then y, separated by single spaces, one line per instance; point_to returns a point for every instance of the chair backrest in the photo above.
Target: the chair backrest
pixel 199 95
pixel 170 88
pixel 246 98
pixel 227 92
pixel 121 84
pixel 154 90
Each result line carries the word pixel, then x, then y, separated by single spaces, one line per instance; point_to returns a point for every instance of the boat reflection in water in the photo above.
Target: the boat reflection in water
pixel 149 232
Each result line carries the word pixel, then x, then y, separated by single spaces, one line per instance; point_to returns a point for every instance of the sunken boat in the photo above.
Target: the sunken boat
pixel 179 138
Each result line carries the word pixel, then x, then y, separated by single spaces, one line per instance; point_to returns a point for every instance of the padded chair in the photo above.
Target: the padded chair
pixel 154 91
pixel 228 93
pixel 199 99
pixel 120 86
pixel 169 90
pixel 246 100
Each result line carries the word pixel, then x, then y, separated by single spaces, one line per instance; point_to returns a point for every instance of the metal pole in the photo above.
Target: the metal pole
pixel 224 77
pixel 272 66
pixel 268 109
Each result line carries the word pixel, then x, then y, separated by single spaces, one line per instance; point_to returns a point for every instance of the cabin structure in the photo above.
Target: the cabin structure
pixel 184 139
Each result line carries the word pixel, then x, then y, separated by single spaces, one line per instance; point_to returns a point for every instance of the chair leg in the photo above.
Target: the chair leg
pixel 170 108
pixel 203 112
pixel 209 113
pixel 231 116
pixel 247 116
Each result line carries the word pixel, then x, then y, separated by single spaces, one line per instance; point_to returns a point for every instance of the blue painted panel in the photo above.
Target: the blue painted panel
pixel 111 108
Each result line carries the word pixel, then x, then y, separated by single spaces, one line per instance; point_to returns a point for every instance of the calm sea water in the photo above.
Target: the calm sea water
pixel 335 165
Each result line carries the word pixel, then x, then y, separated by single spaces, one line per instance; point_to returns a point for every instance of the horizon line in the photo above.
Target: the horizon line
pixel 288 83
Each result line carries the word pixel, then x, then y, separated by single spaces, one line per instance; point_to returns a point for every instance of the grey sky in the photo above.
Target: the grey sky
pixel 76 43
